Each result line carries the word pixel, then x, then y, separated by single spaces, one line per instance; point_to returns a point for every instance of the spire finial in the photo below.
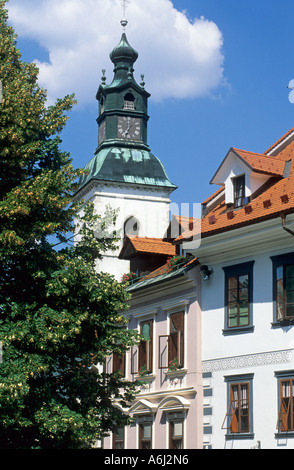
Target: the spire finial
pixel 103 78
pixel 142 81
pixel 124 21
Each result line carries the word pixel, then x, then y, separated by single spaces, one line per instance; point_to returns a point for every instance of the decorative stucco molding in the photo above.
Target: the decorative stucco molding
pixel 249 360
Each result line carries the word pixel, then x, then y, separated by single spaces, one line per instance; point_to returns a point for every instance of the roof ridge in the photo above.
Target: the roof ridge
pixel 213 195
pixel 279 140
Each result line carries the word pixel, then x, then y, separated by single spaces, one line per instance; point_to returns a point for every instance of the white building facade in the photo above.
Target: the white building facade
pixel 248 306
pixel 260 355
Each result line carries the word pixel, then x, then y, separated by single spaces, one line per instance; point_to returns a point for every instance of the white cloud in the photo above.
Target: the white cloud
pixel 179 58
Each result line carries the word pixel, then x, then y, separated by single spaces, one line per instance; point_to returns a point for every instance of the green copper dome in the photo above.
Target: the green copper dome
pixel 124 52
pixel 126 165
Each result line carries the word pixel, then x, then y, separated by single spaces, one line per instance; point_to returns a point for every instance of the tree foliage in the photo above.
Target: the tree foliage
pixel 58 317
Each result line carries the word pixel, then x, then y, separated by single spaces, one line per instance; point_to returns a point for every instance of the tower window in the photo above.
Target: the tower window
pixel 129 101
pixel 131 227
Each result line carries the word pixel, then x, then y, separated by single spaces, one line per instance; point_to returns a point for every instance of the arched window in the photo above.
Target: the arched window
pixel 131 227
pixel 129 101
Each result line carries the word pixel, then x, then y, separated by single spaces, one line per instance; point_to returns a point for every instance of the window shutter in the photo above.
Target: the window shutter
pixel 284 414
pixel 119 361
pixel 230 420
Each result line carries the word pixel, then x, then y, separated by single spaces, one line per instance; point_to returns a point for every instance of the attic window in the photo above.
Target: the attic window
pixel 239 191
pixel 129 101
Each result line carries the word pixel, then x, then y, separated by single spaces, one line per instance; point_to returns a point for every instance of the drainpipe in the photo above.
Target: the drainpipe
pixel 283 216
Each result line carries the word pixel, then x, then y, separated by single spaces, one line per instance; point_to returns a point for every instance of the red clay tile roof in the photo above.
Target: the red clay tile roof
pixel 184 221
pixel 262 163
pixel 149 245
pixel 165 269
pixel 178 225
pixel 274 199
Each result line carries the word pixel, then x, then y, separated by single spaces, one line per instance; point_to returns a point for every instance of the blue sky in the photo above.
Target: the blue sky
pixel 247 108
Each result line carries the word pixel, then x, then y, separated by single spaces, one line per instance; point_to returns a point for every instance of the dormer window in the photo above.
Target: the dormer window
pixel 239 191
pixel 129 101
pixel 242 174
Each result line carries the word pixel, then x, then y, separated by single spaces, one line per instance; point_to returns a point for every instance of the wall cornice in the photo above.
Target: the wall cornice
pixel 249 360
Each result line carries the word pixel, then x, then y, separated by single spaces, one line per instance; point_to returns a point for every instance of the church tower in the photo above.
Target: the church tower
pixel 123 173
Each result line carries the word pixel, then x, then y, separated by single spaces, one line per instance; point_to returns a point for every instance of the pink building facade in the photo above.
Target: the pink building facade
pixel 168 410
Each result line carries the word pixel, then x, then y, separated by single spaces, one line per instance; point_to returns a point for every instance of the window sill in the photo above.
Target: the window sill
pixel 281 323
pixel 238 330
pixel 240 435
pixel 176 373
pixel 145 378
pixel 284 435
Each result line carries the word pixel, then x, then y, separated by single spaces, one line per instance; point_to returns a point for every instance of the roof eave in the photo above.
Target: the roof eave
pixel 237 225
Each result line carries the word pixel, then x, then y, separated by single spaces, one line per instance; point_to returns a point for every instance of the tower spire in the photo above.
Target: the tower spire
pixel 124 21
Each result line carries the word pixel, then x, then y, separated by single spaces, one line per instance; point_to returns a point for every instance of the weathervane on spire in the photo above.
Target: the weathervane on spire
pixel 124 21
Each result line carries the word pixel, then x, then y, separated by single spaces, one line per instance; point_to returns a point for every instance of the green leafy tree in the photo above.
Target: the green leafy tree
pixel 58 317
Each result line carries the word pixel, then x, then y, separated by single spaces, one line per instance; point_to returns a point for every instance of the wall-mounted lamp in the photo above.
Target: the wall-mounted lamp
pixel 205 272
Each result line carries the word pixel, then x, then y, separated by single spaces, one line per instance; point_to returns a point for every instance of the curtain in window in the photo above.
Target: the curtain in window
pixel 240 405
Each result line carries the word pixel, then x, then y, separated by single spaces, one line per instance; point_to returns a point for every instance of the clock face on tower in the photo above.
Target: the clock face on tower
pixel 129 128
